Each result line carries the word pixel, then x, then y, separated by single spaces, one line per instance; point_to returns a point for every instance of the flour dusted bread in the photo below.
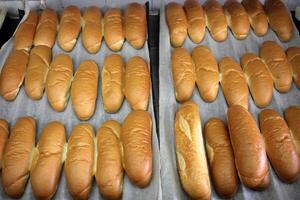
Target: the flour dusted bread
pixel 37 70
pixel 13 73
pixel 3 138
pixel 17 157
pixel 292 117
pixel 109 172
pixel 177 24
pixel 293 56
pixel 84 89
pixel 69 28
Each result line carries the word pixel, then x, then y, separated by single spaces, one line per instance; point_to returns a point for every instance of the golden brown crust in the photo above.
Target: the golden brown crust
pixel 3 138
pixel 292 117
pixel 293 56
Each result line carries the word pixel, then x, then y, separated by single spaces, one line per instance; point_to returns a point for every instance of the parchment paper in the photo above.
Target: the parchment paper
pixel 171 185
pixel 43 113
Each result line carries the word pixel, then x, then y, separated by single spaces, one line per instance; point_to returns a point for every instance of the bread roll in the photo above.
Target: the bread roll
pixel 215 20
pixel 275 58
pixel 25 32
pixel 183 71
pixel 58 81
pixel 17 157
pixel 279 19
pixel 79 164
pixel 280 148
pixel 136 138
pixel 190 152
pixel 237 19
pixel 113 29
pixel 12 74
pixel 3 138
pixel 257 17
pixel 221 158
pixel 177 24
pixel 46 29
pixel 195 19
pixel 207 73
pixel 292 117
pixel 293 56
pixel 37 70
pixel 47 161
pixel 137 83
pixel 109 172
pixel 84 89
pixel 235 92
pixel 69 28
pixel 112 75
pixel 92 29
pixel 258 78
pixel 135 25
pixel 248 147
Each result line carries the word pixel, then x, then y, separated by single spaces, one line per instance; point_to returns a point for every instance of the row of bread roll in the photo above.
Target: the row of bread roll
pixel 84 156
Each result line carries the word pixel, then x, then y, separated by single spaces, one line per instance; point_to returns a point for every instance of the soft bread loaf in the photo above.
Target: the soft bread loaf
pixel 292 117
pixel 257 16
pixel 275 58
pixel 259 79
pixel 79 164
pixel 136 139
pixel 207 73
pixel 221 158
pixel 69 28
pixel 112 82
pixel 280 148
pixel 17 157
pixel 135 25
pixel 58 81
pixel 109 172
pixel 279 19
pixel 92 29
pixel 248 147
pixel 190 152
pixel 46 30
pixel 215 20
pixel 84 89
pixel 233 83
pixel 37 70
pixel 13 73
pixel 183 71
pixel 293 56
pixel 113 29
pixel 137 83
pixel 195 19
pixel 177 24
pixel 25 32
pixel 3 138
pixel 237 19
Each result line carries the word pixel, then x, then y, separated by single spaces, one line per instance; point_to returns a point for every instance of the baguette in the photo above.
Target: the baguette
pixel 37 70
pixel 215 20
pixel 248 147
pixel 79 164
pixel 112 75
pixel 280 148
pixel 84 89
pixel 183 71
pixel 17 157
pixel 292 117
pixel 207 73
pixel 109 172
pixel 92 29
pixel 275 58
pixel 136 138
pixel 235 92
pixel 258 78
pixel 195 20
pixel 58 81
pixel 46 29
pixel 221 158
pixel 177 24
pixel 3 138
pixel 293 56
pixel 12 74
pixel 190 152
